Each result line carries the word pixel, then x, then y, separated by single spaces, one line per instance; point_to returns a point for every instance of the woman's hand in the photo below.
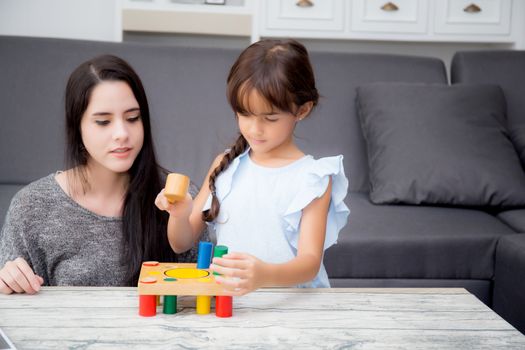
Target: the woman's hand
pixel 241 273
pixel 17 276
pixel 180 209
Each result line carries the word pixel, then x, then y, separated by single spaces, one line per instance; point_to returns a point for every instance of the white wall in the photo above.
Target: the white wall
pixel 78 19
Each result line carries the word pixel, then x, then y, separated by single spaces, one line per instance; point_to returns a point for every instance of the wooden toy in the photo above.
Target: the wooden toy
pixel 173 279
pixel 176 187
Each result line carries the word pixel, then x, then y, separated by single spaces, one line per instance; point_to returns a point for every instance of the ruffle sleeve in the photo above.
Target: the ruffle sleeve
pixel 314 186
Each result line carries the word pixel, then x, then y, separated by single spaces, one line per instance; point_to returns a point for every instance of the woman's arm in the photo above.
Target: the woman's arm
pixel 245 273
pixel 16 275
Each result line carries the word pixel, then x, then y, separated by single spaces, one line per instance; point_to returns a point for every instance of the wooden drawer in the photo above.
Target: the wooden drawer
pixel 477 17
pixel 396 16
pixel 324 15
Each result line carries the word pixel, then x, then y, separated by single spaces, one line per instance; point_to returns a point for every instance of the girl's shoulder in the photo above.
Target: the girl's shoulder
pixel 305 170
pixel 324 166
pixel 312 177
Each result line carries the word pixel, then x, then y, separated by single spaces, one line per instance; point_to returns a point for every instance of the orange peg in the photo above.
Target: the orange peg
pixel 176 187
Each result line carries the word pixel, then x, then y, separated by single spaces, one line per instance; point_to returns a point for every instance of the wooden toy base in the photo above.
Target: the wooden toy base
pixel 177 279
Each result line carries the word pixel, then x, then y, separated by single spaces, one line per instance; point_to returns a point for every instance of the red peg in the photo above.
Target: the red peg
pixel 223 306
pixel 147 305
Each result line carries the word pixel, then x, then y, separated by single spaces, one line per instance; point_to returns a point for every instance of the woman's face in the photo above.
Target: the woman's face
pixel 111 127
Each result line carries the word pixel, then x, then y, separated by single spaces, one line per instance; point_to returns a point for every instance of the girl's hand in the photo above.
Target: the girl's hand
pixel 17 276
pixel 241 273
pixel 180 209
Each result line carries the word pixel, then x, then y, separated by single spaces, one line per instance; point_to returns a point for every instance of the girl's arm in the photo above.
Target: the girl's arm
pixel 245 273
pixel 185 224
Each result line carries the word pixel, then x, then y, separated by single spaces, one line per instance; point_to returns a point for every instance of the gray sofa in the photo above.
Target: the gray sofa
pixel 383 245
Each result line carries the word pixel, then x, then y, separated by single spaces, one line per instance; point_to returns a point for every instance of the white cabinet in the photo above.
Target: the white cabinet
pixel 482 21
pixel 488 21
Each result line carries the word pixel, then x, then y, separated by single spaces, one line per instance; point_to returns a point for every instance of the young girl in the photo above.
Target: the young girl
pixel 88 225
pixel 274 207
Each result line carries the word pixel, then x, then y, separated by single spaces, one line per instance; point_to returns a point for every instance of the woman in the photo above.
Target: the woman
pixel 94 223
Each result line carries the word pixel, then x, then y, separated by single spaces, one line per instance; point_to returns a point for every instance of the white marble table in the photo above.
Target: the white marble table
pixel 107 318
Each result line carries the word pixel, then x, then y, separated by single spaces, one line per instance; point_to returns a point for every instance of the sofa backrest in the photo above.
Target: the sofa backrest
pixel 505 68
pixel 191 119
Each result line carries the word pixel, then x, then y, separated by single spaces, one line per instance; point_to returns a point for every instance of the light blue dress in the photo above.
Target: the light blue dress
pixel 261 207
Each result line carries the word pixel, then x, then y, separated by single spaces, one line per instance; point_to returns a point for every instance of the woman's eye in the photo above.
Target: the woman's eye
pixel 271 120
pixel 102 122
pixel 134 119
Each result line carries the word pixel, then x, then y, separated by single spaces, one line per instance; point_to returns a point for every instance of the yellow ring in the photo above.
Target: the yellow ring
pixel 186 273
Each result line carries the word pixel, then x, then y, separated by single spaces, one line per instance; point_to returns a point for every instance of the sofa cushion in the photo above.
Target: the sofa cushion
pixel 514 218
pixel 440 145
pixel 402 241
pixel 509 280
pixel 505 68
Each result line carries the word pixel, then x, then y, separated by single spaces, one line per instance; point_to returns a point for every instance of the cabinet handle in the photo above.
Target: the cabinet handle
pixel 389 7
pixel 472 8
pixel 304 3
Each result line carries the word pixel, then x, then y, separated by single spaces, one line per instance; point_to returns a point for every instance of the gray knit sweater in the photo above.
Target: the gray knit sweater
pixel 63 242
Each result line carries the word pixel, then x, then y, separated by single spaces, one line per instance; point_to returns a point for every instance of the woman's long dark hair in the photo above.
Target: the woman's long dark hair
pixel 281 72
pixel 143 226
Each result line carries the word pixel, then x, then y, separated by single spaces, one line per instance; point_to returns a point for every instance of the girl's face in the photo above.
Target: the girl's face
pixel 111 127
pixel 266 129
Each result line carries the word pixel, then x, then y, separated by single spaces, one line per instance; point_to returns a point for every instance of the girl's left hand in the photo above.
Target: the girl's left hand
pixel 241 273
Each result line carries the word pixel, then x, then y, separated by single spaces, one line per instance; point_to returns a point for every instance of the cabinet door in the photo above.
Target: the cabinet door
pixel 325 15
pixel 478 17
pixel 396 16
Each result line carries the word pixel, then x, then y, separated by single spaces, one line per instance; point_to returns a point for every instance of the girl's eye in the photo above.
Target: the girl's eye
pixel 102 122
pixel 272 120
pixel 134 119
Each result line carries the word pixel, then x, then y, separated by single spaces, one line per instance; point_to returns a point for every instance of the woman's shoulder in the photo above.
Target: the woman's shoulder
pixel 40 193
pixel 45 187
